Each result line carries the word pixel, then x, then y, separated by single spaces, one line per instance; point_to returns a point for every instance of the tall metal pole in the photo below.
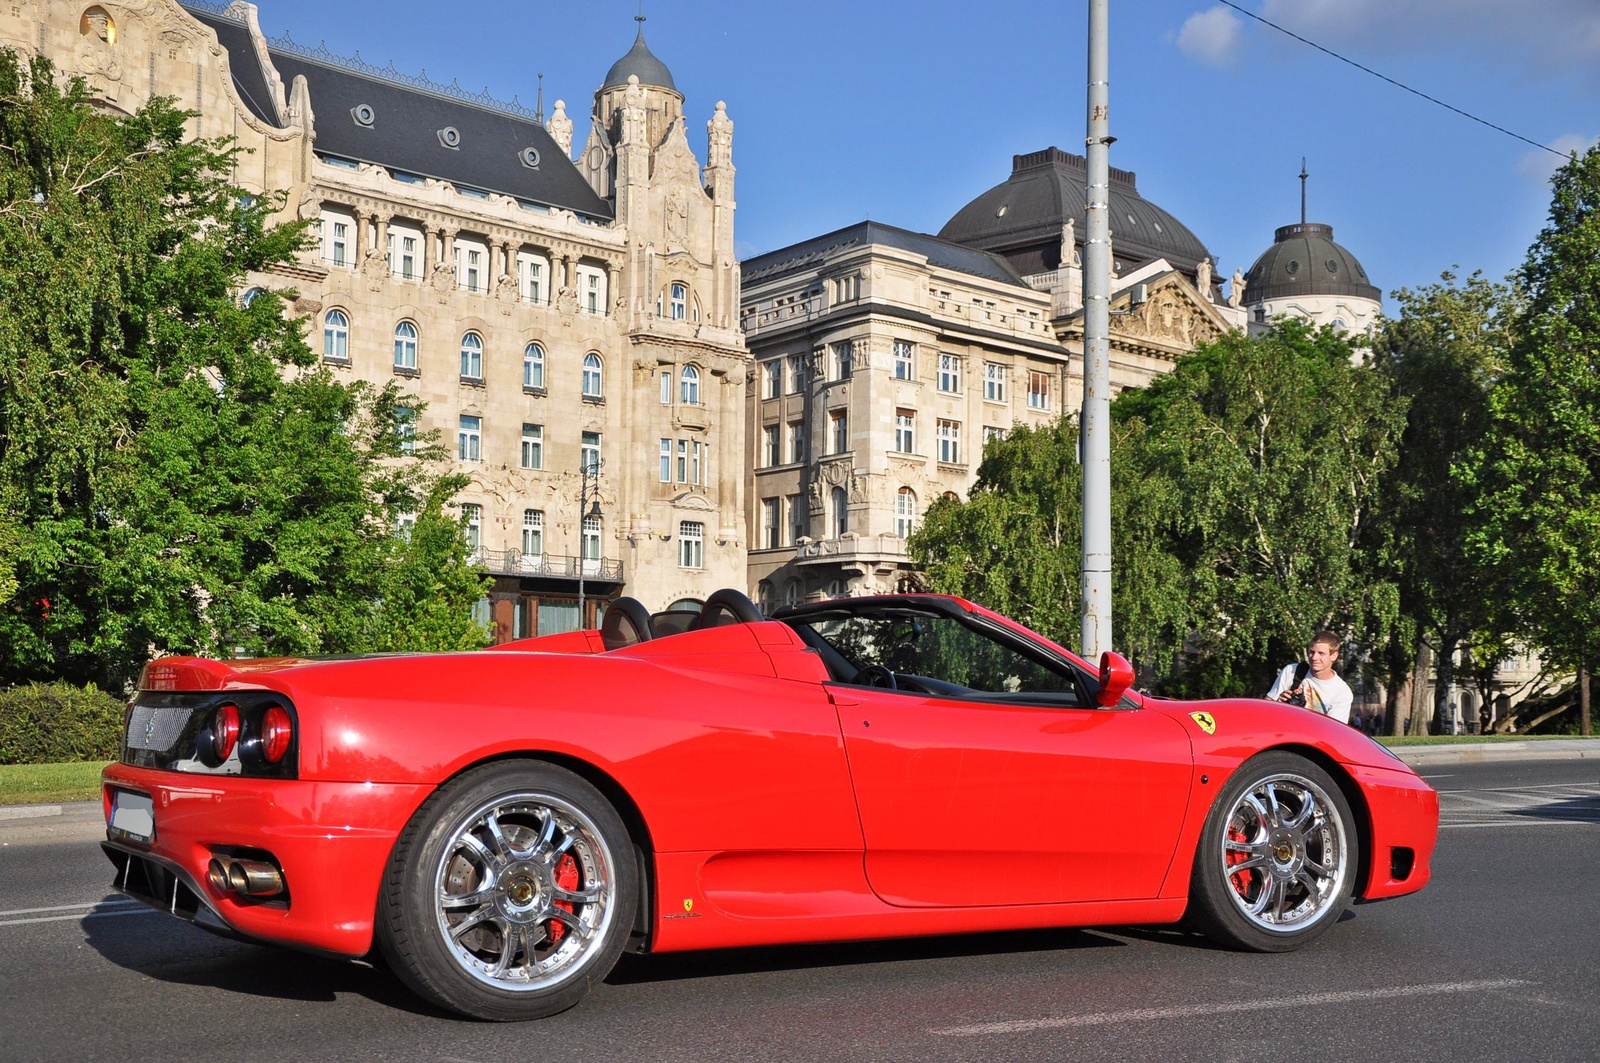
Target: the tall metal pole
pixel 1096 426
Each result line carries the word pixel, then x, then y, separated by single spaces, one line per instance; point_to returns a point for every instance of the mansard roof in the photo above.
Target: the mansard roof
pixel 940 253
pixel 408 126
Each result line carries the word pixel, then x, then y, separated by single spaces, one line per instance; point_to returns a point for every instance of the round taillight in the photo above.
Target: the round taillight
pixel 277 730
pixel 224 731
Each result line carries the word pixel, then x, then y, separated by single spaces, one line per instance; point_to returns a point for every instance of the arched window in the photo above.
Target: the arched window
pixel 336 336
pixel 791 592
pixel 765 598
pixel 472 356
pixel 533 366
pixel 250 295
pixel 679 303
pixel 905 512
pixel 689 389
pixel 591 375
pixel 405 345
pixel 841 512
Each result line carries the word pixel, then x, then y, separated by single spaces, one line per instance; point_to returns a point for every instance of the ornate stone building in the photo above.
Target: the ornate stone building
pixel 550 315
pixel 885 359
pixel 1305 274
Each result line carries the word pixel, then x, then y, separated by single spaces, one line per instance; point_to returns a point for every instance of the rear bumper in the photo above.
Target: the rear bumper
pixel 1404 816
pixel 331 840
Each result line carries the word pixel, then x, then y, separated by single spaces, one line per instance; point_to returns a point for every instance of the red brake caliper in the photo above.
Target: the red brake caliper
pixel 567 879
pixel 1240 879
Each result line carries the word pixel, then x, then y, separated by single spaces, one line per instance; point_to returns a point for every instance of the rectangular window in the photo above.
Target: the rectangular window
pixel 683 461
pixel 903 368
pixel 994 382
pixel 797 373
pixel 769 446
pixel 905 431
pixel 839 425
pixel 592 295
pixel 404 263
pixel 666 461
pixel 1038 390
pixel 950 441
pixel 533 446
pixel 992 434
pixel 797 517
pixel 474 515
pixel 697 463
pixel 666 388
pixel 843 355
pixel 691 544
pixel 474 269
pixel 532 532
pixel 469 439
pixel 949 373
pixel 771 379
pixel 589 453
pixel 797 441
pixel 557 616
pixel 591 540
pixel 341 240
pixel 405 430
pixel 530 278
pixel 770 524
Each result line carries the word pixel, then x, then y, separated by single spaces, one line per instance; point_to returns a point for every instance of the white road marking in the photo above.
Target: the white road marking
pixel 118 901
pixel 1522 821
pixel 1195 1011
pixel 141 910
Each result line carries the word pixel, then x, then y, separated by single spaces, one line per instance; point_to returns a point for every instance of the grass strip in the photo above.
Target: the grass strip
pixel 43 784
pixel 1458 740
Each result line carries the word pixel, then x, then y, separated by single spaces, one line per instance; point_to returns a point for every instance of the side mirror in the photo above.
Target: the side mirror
pixel 1116 676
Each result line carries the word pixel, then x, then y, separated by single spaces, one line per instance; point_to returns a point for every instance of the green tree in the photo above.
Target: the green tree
pixel 1241 483
pixel 1442 354
pixel 1536 475
pixel 179 472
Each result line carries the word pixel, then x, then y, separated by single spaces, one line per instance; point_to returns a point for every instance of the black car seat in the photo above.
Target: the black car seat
pixel 724 607
pixel 626 623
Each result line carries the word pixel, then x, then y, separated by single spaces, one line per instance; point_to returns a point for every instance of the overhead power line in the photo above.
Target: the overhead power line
pixel 1390 80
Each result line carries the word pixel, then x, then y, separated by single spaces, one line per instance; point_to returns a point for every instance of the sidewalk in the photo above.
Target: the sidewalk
pixel 1470 752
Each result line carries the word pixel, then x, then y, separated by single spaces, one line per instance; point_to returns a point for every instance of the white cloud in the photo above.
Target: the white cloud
pixel 1541 165
pixel 1212 37
pixel 1548 36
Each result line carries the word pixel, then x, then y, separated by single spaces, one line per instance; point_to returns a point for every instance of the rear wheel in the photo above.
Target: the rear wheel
pixel 1277 857
pixel 510 893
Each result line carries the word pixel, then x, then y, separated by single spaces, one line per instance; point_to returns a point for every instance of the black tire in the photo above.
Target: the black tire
pixel 1222 894
pixel 544 817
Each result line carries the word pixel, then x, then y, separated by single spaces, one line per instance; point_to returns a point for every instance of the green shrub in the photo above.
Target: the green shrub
pixel 46 723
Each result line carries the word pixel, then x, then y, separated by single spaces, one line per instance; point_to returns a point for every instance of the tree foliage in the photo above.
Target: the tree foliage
pixel 1442 354
pixel 179 472
pixel 1241 484
pixel 1535 479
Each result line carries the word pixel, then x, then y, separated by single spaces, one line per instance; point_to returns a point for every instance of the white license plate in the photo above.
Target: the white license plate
pixel 133 815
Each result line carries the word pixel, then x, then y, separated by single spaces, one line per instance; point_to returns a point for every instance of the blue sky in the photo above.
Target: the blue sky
pixel 903 111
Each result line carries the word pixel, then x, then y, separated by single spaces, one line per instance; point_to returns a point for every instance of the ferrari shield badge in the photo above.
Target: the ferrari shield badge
pixel 1204 721
pixel 688 904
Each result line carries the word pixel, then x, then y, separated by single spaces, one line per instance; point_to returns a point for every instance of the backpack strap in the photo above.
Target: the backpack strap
pixel 1301 670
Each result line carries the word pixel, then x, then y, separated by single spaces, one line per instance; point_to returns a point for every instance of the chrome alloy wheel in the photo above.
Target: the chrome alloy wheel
pixel 524 890
pixel 1284 853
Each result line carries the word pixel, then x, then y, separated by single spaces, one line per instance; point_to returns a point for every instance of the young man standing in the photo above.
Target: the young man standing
pixel 1315 681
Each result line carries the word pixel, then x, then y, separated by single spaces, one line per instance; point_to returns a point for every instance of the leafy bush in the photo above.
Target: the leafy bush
pixel 46 723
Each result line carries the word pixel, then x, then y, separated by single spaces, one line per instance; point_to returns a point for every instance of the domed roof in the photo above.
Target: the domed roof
pixel 641 61
pixel 1303 260
pixel 1021 218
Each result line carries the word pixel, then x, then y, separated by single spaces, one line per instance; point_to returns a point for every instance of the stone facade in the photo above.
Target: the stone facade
pixel 531 329
pixel 884 360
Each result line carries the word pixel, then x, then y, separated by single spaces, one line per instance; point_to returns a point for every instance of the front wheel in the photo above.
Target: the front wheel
pixel 510 893
pixel 1277 858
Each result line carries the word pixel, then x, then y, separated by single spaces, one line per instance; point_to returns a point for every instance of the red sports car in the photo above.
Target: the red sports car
pixel 501 825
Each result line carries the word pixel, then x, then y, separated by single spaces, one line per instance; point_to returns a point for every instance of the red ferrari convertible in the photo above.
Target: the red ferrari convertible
pixel 501 825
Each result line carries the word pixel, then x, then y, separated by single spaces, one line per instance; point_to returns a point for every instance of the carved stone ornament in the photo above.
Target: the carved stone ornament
pixel 1167 317
pixel 310 204
pixel 567 305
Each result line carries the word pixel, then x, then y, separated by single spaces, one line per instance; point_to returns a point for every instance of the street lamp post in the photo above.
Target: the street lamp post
pixel 1096 415
pixel 588 473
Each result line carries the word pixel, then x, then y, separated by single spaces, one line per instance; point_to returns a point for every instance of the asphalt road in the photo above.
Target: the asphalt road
pixel 1496 960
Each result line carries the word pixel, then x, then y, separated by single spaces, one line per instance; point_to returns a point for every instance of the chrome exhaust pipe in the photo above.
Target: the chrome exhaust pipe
pixel 217 875
pixel 254 878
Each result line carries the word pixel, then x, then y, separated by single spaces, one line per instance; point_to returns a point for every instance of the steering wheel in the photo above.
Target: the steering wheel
pixel 876 675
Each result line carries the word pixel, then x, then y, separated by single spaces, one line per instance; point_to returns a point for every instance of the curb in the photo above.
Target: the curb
pixel 30 811
pixel 1500 752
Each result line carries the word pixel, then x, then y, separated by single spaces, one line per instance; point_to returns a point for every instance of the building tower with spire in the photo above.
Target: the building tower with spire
pixel 1305 274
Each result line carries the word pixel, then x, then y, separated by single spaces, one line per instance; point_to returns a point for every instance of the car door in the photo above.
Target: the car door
pixel 1008 796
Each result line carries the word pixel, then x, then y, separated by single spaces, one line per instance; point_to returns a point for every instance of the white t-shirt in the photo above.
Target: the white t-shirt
pixel 1331 696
